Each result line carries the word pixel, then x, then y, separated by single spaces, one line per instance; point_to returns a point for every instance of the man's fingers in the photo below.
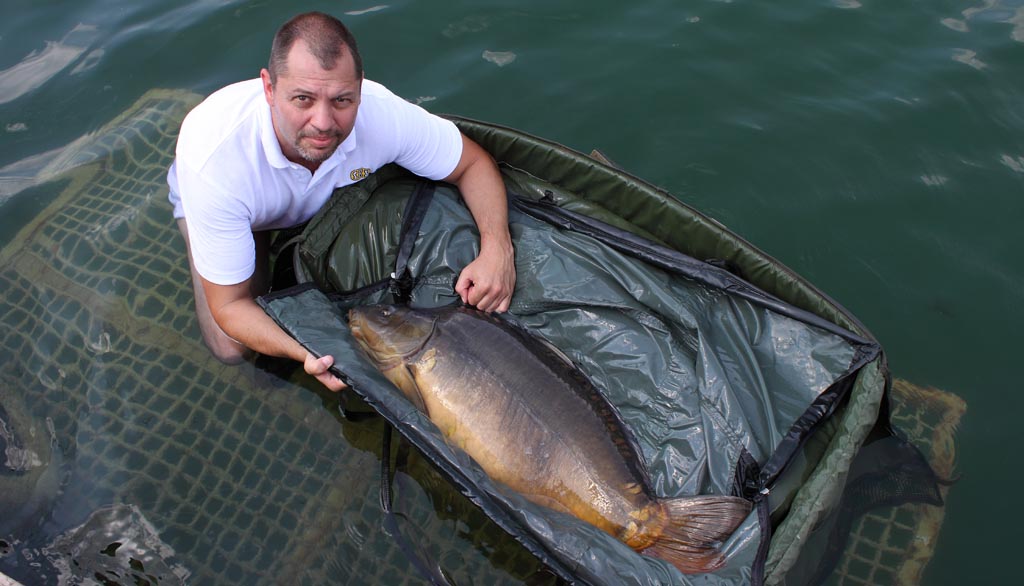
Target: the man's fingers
pixel 463 286
pixel 316 366
pixel 488 286
pixel 332 382
pixel 495 303
pixel 489 301
pixel 505 304
pixel 480 298
pixel 495 299
pixel 320 369
pixel 468 289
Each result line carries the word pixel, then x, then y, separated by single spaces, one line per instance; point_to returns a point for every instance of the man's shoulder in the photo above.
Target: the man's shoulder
pixel 229 104
pixel 405 133
pixel 389 113
pixel 375 90
pixel 377 102
pixel 224 118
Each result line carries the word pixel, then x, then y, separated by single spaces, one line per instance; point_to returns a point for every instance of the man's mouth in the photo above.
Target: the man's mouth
pixel 322 141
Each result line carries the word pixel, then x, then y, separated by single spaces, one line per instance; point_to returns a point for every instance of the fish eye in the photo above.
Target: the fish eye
pixel 386 311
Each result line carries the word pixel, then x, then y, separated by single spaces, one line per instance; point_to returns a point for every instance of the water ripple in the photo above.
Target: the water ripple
pixel 968 57
pixel 1006 11
pixel 39 67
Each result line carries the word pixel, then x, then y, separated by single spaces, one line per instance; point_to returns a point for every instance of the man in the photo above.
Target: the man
pixel 267 153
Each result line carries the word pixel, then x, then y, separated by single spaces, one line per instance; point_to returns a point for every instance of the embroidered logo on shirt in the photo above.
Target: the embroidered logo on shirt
pixel 360 173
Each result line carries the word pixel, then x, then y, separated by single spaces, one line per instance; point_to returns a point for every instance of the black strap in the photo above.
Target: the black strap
pixel 813 417
pixel 431 573
pixel 415 210
pixel 757 569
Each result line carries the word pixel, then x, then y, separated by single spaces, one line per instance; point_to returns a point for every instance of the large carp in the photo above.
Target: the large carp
pixel 535 423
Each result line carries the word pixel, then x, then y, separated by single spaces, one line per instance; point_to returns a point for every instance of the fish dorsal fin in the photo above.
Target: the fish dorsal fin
pixel 556 351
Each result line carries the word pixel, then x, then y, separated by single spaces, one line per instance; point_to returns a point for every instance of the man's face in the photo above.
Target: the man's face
pixel 313 109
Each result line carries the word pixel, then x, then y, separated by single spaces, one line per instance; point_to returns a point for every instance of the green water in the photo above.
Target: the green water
pixel 875 148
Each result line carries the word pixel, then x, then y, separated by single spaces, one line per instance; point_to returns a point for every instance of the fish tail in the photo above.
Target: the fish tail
pixel 693 529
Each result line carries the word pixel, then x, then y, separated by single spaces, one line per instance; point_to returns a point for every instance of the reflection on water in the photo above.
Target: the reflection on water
pixel 115 545
pixel 1006 11
pixel 30 465
pixel 40 168
pixel 39 67
pixel 1015 163
pixel 467 25
pixel 377 8
pixel 968 57
pixel 499 58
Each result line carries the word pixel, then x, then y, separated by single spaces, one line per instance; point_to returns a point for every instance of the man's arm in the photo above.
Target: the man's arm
pixel 488 281
pixel 238 315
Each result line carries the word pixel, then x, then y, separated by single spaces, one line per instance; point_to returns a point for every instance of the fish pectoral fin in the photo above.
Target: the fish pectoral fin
pixel 418 368
pixel 426 362
pixel 404 379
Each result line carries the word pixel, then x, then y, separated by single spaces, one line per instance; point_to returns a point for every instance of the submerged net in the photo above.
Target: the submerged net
pixel 893 544
pixel 233 475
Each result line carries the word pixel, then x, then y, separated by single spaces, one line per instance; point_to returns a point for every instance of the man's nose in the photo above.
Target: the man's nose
pixel 322 119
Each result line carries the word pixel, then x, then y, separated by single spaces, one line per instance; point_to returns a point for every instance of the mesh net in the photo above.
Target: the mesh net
pixel 893 544
pixel 246 477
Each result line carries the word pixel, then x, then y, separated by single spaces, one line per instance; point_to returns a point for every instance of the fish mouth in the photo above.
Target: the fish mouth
pixel 383 352
pixel 356 329
pixel 362 334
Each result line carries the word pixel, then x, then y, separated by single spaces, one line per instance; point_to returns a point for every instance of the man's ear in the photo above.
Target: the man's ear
pixel 268 87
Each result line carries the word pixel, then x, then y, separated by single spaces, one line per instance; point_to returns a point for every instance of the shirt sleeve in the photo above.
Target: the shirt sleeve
pixel 430 146
pixel 219 230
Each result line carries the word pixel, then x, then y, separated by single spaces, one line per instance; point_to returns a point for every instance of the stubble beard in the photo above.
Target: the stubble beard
pixel 316 155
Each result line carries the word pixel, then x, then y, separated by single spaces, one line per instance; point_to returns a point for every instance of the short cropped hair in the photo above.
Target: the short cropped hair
pixel 324 35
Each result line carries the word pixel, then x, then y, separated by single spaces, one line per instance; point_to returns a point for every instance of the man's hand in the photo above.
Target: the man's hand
pixel 487 282
pixel 319 368
pixel 239 317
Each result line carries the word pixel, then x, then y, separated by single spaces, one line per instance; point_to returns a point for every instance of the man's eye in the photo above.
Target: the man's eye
pixel 302 98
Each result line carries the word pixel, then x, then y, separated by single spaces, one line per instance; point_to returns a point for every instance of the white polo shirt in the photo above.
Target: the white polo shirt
pixel 230 178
